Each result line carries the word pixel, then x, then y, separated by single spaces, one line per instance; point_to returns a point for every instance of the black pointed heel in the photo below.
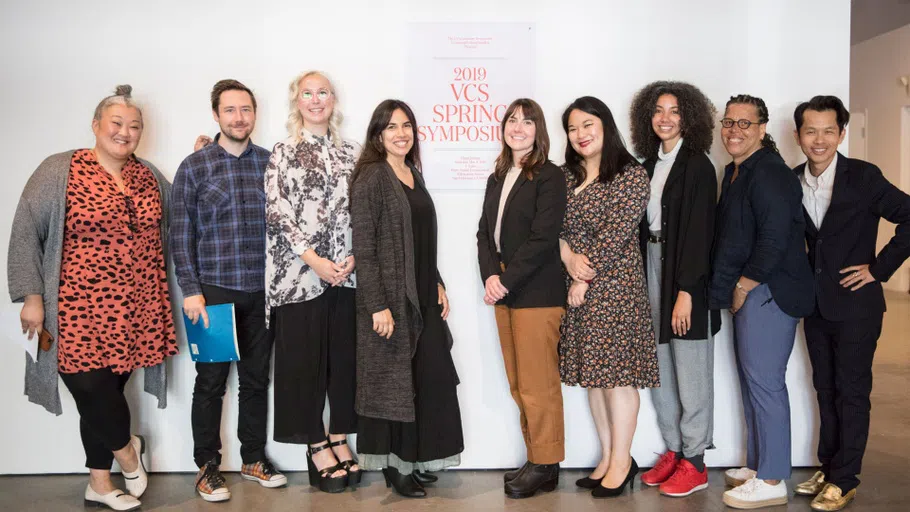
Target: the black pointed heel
pixel 320 477
pixel 404 484
pixel 610 492
pixel 589 483
pixel 353 476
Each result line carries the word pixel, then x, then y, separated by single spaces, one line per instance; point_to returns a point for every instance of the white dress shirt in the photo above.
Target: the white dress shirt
pixel 658 180
pixel 507 184
pixel 817 192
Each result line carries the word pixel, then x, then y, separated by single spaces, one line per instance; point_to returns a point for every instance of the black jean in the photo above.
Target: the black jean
pixel 255 343
pixel 315 356
pixel 841 354
pixel 104 415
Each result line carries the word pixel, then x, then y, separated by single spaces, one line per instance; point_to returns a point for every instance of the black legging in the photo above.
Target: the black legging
pixel 104 415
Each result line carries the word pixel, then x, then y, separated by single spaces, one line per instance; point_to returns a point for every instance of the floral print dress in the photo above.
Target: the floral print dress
pixel 307 207
pixel 608 341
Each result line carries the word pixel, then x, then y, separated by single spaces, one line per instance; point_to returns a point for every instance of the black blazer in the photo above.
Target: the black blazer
pixel 759 234
pixel 848 236
pixel 687 222
pixel 529 237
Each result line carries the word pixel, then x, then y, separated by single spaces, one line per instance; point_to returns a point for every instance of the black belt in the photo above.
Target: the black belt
pixel 657 239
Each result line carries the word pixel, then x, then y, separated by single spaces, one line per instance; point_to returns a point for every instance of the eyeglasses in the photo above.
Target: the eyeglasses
pixel 743 124
pixel 322 94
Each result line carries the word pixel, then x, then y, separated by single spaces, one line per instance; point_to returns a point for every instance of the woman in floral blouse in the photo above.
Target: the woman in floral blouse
pixel 310 282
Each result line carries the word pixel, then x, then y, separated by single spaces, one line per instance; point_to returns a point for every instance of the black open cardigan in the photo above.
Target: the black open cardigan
pixel 687 222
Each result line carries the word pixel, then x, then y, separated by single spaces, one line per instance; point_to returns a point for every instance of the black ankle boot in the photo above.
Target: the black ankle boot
pixel 404 484
pixel 508 476
pixel 534 477
pixel 424 478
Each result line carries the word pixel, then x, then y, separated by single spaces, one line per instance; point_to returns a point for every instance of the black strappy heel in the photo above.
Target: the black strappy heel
pixel 353 476
pixel 319 477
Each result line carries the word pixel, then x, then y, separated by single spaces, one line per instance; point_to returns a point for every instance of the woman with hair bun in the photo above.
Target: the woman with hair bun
pixel 310 282
pixel 762 275
pixel 86 258
pixel 672 128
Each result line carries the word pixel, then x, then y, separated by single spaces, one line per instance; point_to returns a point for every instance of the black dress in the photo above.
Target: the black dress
pixel 434 440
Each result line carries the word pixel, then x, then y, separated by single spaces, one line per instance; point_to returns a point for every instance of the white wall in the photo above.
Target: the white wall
pixel 62 58
pixel 876 88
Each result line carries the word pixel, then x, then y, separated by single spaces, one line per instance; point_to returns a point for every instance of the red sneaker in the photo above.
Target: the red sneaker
pixel 685 480
pixel 661 471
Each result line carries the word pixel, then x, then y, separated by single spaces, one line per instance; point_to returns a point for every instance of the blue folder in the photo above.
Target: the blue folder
pixel 218 343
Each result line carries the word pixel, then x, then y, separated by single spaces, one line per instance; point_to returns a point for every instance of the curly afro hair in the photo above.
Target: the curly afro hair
pixel 696 112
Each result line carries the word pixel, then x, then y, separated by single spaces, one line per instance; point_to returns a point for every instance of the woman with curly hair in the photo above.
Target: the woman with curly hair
pixel 672 128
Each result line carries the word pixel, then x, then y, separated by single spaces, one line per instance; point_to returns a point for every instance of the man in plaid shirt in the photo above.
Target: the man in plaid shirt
pixel 217 239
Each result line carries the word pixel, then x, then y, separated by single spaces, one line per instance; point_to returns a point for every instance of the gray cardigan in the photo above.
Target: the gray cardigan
pixel 35 255
pixel 384 249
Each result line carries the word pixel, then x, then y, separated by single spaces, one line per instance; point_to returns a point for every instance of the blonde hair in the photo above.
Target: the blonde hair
pixel 123 95
pixel 295 119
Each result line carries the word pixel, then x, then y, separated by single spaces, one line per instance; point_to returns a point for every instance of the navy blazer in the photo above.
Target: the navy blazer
pixel 847 237
pixel 759 234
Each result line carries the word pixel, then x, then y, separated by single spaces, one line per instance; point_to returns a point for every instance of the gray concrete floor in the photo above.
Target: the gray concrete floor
pixel 884 486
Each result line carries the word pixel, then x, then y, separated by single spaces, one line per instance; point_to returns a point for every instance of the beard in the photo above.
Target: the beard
pixel 229 133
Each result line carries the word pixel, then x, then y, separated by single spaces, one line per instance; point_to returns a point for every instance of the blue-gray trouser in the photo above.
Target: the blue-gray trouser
pixel 763 341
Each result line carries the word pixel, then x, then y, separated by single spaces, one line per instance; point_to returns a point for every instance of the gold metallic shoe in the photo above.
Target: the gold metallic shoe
pixel 831 498
pixel 812 486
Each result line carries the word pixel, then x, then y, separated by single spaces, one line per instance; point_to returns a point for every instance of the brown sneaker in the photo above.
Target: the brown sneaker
pixel 812 486
pixel 832 498
pixel 210 483
pixel 263 472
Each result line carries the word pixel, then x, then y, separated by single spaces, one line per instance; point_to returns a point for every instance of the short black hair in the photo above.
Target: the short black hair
pixel 822 104
pixel 229 85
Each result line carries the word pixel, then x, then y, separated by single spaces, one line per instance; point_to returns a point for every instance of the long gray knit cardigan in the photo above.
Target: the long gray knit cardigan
pixel 384 250
pixel 33 267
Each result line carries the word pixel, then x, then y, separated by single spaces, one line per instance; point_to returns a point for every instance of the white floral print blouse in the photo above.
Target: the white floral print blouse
pixel 307 207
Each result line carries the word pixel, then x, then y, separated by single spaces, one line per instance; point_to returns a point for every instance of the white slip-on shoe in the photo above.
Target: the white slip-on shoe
pixel 735 477
pixel 114 500
pixel 138 480
pixel 755 493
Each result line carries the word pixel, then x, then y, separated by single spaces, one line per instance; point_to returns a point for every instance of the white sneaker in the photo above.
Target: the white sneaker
pixel 114 500
pixel 737 476
pixel 138 480
pixel 755 493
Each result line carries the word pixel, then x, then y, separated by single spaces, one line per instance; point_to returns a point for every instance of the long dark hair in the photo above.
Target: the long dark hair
pixel 696 113
pixel 762 109
pixel 533 161
pixel 614 156
pixel 373 149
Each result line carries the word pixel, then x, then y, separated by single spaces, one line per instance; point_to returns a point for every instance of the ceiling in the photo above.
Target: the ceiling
pixel 871 18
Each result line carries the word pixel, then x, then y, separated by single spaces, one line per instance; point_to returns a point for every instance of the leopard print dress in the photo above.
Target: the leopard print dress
pixel 114 303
